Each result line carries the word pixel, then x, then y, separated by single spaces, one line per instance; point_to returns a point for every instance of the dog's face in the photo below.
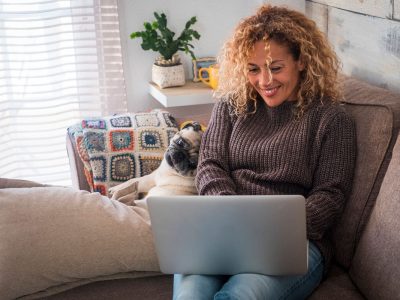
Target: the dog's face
pixel 183 152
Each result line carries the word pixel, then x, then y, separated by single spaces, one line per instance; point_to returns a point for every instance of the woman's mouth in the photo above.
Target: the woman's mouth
pixel 270 92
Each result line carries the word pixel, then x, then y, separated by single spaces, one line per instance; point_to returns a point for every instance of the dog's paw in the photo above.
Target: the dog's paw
pixel 130 185
pixel 126 192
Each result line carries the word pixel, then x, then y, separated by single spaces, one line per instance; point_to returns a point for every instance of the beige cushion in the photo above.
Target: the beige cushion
pixel 375 268
pixel 51 236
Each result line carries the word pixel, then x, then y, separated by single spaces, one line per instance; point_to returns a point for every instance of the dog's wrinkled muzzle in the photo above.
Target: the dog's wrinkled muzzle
pixel 181 160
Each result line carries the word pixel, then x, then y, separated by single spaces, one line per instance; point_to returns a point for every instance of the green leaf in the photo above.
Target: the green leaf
pixel 196 35
pixel 147 26
pixel 136 35
pixel 190 22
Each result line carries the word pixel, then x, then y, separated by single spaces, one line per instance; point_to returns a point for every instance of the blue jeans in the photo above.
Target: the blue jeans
pixel 251 286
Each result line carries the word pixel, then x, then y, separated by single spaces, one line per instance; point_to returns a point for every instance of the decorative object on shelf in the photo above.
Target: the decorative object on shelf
pixel 168 76
pixel 167 70
pixel 211 78
pixel 203 62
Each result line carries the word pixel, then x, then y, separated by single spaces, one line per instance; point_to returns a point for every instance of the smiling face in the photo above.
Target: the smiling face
pixel 278 81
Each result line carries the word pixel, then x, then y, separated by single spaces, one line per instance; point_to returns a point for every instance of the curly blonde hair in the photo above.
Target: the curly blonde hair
pixel 286 27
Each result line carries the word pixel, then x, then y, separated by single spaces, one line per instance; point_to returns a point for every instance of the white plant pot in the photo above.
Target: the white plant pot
pixel 168 76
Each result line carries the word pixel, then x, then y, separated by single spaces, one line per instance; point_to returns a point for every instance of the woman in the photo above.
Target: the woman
pixel 278 129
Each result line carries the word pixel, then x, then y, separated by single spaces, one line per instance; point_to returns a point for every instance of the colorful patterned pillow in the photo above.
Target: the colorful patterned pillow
pixel 117 148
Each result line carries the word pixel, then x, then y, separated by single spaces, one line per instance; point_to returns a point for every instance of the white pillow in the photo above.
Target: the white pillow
pixel 50 236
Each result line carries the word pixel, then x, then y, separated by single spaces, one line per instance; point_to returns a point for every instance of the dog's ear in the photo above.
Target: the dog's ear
pixel 196 125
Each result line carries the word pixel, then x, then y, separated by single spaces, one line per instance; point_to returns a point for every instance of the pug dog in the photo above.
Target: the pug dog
pixel 176 173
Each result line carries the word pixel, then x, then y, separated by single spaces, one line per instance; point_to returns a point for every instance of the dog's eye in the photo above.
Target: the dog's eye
pixel 182 143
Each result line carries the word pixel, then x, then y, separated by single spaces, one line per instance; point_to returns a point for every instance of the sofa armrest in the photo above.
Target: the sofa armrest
pixel 18 183
pixel 76 165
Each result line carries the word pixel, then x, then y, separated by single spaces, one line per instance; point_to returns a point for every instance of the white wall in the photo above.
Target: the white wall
pixel 215 22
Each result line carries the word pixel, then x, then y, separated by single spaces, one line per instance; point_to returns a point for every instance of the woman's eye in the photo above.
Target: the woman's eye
pixel 253 70
pixel 275 69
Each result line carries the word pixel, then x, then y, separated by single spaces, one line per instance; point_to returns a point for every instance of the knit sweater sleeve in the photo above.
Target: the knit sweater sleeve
pixel 332 180
pixel 213 176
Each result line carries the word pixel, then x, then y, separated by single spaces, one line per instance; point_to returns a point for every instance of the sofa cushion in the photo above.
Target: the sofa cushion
pixel 375 268
pixel 115 149
pixel 337 285
pixel 377 116
pixel 61 237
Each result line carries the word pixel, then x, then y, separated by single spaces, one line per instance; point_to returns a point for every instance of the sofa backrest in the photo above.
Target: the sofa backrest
pixel 375 267
pixel 376 112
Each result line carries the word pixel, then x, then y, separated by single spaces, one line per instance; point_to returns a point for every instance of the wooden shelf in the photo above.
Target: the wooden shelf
pixel 192 93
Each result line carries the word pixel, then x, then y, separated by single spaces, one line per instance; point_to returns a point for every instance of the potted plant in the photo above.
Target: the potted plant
pixel 167 69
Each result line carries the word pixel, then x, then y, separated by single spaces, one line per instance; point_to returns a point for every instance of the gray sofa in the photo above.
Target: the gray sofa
pixel 366 238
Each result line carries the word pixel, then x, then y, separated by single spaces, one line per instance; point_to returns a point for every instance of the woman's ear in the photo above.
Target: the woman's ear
pixel 300 65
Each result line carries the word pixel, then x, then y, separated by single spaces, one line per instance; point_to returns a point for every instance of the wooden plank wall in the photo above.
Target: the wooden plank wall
pixel 365 35
pixel 396 13
pixel 319 13
pixel 294 4
pixel 377 8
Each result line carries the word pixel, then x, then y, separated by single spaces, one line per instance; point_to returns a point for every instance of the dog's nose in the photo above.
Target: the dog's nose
pixel 178 156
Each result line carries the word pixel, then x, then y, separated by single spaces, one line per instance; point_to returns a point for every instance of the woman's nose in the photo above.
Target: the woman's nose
pixel 265 78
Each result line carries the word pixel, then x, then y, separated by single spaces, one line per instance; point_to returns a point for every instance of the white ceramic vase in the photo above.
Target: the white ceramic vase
pixel 168 76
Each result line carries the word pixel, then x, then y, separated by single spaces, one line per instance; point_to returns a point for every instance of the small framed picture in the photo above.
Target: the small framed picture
pixel 203 62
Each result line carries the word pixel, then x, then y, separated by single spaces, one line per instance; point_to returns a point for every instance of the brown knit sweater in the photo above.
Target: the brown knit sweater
pixel 273 152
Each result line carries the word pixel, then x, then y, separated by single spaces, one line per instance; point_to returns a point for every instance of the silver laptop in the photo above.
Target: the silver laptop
pixel 230 234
